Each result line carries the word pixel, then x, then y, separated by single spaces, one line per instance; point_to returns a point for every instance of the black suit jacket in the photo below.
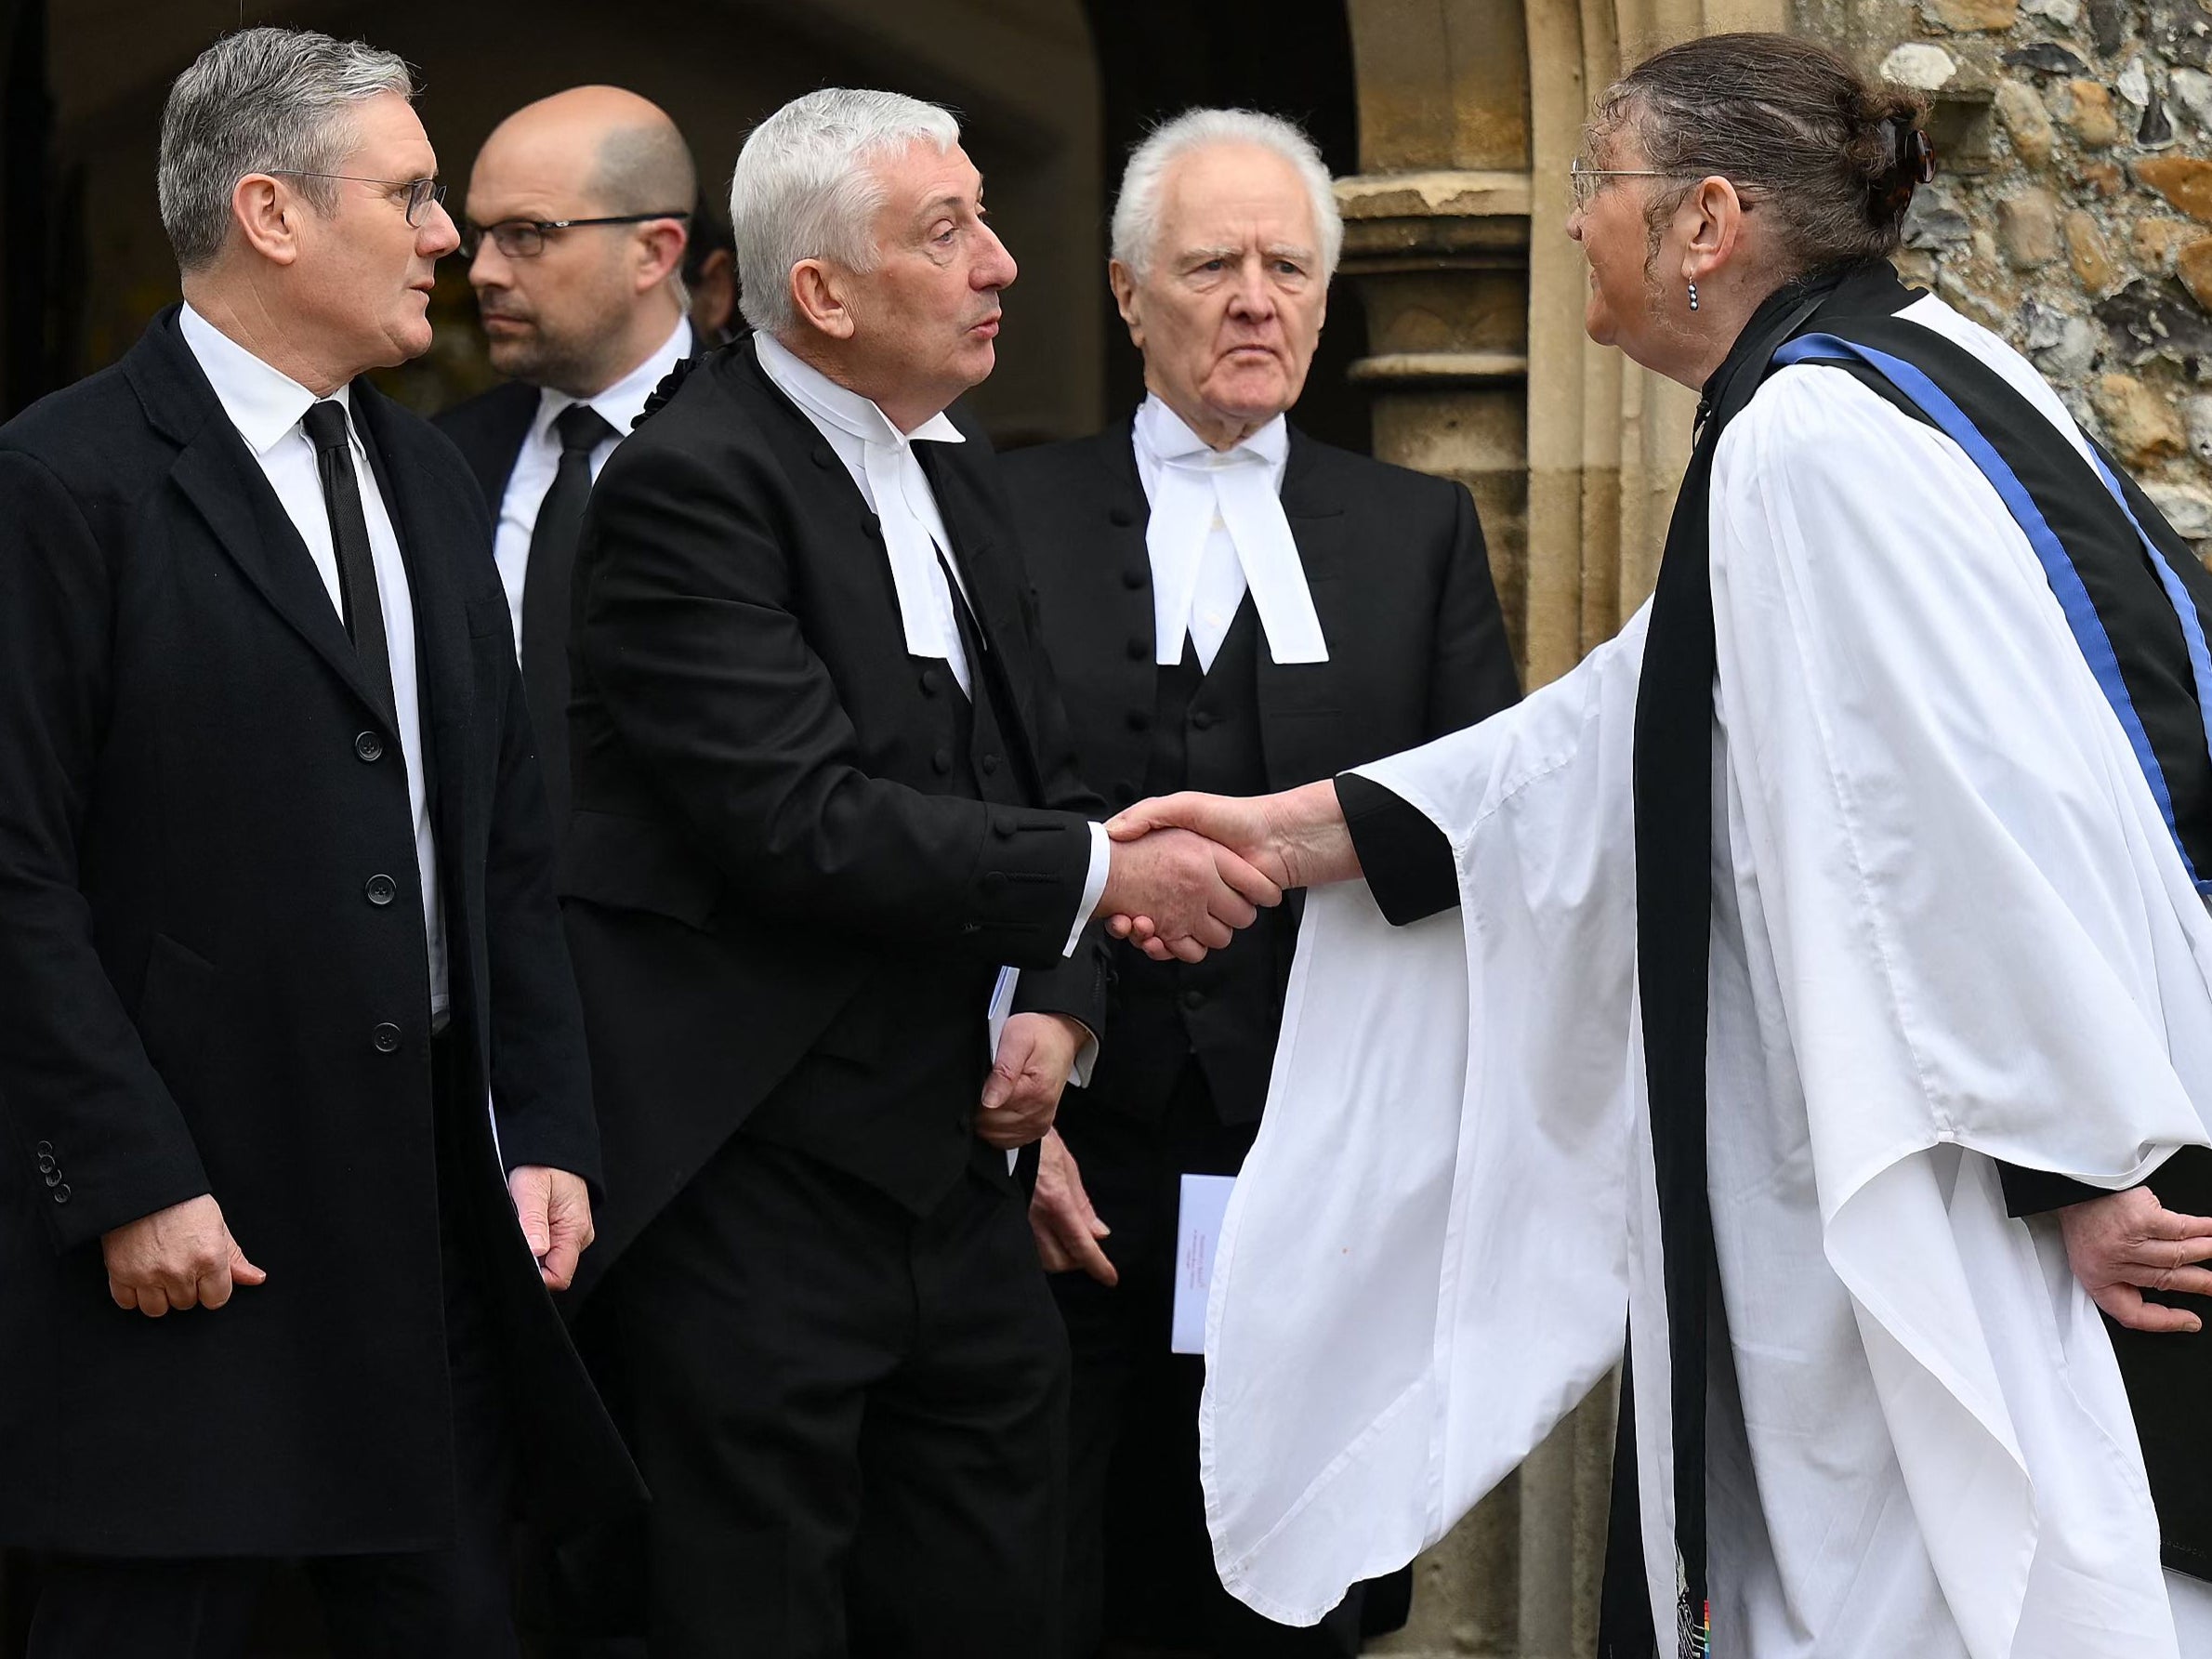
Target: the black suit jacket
pixel 489 428
pixel 1417 648
pixel 196 996
pixel 769 835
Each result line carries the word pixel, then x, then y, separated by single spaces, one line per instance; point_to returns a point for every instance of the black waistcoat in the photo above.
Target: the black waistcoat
pixel 888 1093
pixel 1205 735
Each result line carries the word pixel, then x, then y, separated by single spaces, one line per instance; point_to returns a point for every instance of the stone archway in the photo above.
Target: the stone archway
pixel 1470 111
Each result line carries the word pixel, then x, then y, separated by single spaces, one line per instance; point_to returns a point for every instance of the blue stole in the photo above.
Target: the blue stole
pixel 2089 634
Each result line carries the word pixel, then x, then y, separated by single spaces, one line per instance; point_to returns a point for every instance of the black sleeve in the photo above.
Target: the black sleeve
pixel 2033 1192
pixel 687 627
pixel 1472 675
pixel 541 1070
pixel 77 1088
pixel 1407 861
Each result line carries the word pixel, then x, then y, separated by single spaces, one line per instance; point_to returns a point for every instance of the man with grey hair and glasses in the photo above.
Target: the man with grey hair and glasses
pixel 829 881
pixel 1234 608
pixel 297 1123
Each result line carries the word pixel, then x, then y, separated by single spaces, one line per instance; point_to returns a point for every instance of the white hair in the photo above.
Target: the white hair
pixel 1137 208
pixel 262 101
pixel 804 188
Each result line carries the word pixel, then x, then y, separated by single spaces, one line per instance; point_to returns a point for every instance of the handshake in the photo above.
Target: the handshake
pixel 1189 870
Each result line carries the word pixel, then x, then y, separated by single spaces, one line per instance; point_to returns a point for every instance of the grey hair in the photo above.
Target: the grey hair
pixel 804 188
pixel 1137 208
pixel 261 101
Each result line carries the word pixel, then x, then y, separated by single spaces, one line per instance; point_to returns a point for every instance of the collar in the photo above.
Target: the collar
pixel 1854 286
pixel 263 404
pixel 840 406
pixel 1165 436
pixel 621 404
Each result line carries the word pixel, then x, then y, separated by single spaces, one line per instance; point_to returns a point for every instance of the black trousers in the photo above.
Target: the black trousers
pixel 1140 1567
pixel 451 1603
pixel 853 1418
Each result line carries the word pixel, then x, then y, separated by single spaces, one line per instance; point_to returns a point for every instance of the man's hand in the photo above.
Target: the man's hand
pixel 554 1210
pixel 183 1256
pixel 1298 839
pixel 1193 894
pixel 1068 1230
pixel 2128 1243
pixel 1035 1053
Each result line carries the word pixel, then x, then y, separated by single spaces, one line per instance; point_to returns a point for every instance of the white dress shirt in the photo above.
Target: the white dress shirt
pixel 265 407
pixel 881 461
pixel 1216 530
pixel 539 458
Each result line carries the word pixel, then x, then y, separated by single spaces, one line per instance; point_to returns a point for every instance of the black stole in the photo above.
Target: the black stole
pixel 1672 787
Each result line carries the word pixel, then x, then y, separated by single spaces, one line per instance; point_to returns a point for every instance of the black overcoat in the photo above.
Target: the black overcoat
pixel 198 993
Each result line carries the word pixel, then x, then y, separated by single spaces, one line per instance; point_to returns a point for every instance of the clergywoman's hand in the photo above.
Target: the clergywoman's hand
pixel 2127 1243
pixel 1068 1230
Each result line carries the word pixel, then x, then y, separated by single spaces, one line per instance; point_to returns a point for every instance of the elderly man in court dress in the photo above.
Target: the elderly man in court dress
pixel 1235 608
pixel 828 857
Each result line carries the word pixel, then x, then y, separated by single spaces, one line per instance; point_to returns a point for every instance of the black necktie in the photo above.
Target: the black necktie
pixel 581 430
pixel 324 424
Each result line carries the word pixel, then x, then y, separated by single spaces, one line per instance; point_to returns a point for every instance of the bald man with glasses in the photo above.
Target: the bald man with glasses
pixel 576 229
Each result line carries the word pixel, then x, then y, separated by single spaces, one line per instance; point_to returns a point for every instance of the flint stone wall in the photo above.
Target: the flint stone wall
pixel 2072 210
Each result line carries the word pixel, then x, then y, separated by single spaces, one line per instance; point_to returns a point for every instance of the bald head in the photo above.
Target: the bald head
pixel 598 300
pixel 619 149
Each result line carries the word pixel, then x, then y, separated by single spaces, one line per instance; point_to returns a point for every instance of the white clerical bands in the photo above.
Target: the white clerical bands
pixel 1240 487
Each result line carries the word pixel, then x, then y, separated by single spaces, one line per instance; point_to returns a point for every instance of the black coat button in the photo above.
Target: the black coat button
pixel 822 457
pixel 43 1148
pixel 1120 517
pixel 381 890
pixel 1139 649
pixel 931 681
pixel 942 762
pixel 989 763
pixel 1133 578
pixel 46 1165
pixel 368 746
pixel 1194 999
pixel 61 1193
pixel 53 1175
pixel 1201 719
pixel 1004 828
pixel 386 1037
pixel 1139 720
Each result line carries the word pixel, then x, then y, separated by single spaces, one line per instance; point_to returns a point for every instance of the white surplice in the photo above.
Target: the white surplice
pixel 1949 926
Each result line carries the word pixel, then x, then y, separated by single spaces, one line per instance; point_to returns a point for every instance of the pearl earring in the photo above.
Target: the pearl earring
pixel 1693 296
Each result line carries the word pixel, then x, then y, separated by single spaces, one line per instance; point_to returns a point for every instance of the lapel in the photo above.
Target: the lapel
pixel 1299 745
pixel 423 516
pixel 219 475
pixel 492 452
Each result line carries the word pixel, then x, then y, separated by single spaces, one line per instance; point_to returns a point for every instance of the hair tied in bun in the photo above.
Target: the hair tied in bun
pixel 1910 164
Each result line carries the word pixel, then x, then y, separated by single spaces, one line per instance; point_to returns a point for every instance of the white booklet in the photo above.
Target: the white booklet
pixel 1198 1229
pixel 995 1024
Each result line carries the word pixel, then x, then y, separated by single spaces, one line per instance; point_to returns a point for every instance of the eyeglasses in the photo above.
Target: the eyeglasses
pixel 1584 183
pixel 525 239
pixel 421 192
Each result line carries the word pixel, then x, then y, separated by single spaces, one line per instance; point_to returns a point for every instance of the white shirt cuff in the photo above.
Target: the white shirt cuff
pixel 1094 884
